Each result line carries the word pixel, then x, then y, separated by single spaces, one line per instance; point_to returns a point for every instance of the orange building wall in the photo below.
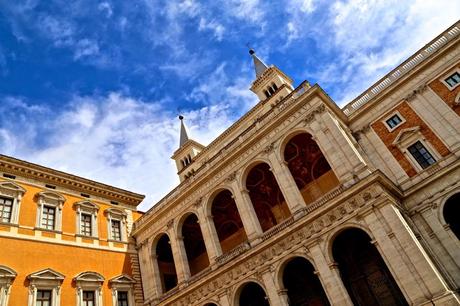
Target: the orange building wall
pixel 26 257
pixel 412 120
pixel 445 94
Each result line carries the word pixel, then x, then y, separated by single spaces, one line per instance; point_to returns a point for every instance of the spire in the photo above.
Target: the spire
pixel 259 65
pixel 183 132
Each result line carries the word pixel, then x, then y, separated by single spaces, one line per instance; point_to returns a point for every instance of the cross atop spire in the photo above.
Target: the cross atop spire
pixel 259 65
pixel 183 132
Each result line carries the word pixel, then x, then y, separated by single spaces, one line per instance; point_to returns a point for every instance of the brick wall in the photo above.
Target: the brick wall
pixel 412 120
pixel 445 94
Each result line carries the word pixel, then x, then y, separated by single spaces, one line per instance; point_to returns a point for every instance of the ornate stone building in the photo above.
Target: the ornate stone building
pixel 301 202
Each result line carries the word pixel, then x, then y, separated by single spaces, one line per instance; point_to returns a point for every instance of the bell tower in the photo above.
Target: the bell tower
pixel 270 82
pixel 185 155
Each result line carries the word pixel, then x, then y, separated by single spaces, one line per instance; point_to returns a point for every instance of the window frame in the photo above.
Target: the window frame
pixel 7 276
pixel 86 208
pixel 117 215
pixel 15 192
pixel 46 279
pixel 50 199
pixel 448 75
pixel 408 137
pixel 123 283
pixel 89 281
pixel 424 147
pixel 396 113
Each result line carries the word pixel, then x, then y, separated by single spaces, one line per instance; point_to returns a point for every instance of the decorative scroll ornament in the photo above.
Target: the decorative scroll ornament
pixel 231 177
pixel 414 93
pixel 269 148
pixel 311 116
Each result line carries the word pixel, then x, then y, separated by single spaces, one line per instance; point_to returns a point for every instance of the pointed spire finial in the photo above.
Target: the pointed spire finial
pixel 183 132
pixel 259 65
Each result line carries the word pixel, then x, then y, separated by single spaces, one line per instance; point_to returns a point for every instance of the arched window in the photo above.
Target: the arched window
pixel 266 196
pixel 166 266
pixel 452 214
pixel 227 221
pixel 363 271
pixel 194 245
pixel 275 88
pixel 252 294
pixel 310 169
pixel 270 90
pixel 302 284
pixel 267 94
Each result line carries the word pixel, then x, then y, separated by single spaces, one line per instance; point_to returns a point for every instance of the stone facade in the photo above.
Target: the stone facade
pixel 302 175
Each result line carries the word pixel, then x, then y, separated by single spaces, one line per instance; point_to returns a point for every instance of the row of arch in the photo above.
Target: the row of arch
pixel 363 271
pixel 309 170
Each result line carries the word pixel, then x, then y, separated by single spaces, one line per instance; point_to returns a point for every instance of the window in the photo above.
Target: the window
pixel 122 298
pixel 43 298
pixel 116 230
pixel 453 80
pixel 7 276
pixel 89 286
pixel 48 217
pixel 122 290
pixel 6 207
pixel 88 298
pixel 49 210
pixel 86 225
pixel 45 288
pixel 116 223
pixel 421 155
pixel 10 201
pixel 393 121
pixel 87 218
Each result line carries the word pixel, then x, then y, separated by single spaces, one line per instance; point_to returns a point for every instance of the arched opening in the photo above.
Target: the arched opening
pixel 451 214
pixel 165 260
pixel 194 245
pixel 266 196
pixel 267 94
pixel 302 285
pixel 210 304
pixel 227 221
pixel 310 169
pixel 270 90
pixel 252 294
pixel 363 271
pixel 274 86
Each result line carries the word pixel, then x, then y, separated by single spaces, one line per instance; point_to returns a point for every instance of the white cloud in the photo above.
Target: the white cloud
pixel 85 48
pixel 217 28
pixel 106 8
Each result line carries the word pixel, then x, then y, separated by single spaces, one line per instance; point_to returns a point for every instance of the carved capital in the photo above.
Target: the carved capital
pixel 170 224
pixel 231 177
pixel 268 149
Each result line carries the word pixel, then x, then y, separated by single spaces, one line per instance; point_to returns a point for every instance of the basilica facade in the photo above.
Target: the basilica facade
pixel 301 202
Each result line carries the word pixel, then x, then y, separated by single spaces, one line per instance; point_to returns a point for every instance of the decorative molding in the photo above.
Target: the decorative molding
pixel 411 96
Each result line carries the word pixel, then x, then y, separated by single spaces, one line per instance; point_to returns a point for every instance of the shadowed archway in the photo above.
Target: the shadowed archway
pixel 309 168
pixel 451 214
pixel 165 260
pixel 227 221
pixel 252 294
pixel 194 245
pixel 302 285
pixel 363 271
pixel 266 196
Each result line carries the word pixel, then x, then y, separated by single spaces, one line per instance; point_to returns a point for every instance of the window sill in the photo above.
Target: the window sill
pixel 117 241
pixel 87 237
pixel 9 224
pixel 47 230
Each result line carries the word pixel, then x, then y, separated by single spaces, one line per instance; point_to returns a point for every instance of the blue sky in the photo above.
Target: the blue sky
pixel 94 87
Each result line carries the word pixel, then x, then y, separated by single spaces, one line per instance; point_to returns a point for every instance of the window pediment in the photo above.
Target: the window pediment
pixel 122 279
pixel 87 205
pixel 10 187
pixel 6 272
pixel 406 135
pixel 89 276
pixel 51 197
pixel 46 274
pixel 115 212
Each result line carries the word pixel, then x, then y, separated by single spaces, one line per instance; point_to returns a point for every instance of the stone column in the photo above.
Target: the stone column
pixel 441 245
pixel 147 274
pixel 210 238
pixel 329 276
pixel 410 265
pixel 439 116
pixel 338 148
pixel 247 213
pixel 286 183
pixel 180 257
pixel 271 289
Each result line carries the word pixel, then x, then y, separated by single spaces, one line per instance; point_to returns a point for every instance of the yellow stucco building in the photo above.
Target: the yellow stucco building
pixel 64 240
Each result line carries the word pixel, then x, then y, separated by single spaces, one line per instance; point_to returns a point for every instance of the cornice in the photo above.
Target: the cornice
pixel 32 171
